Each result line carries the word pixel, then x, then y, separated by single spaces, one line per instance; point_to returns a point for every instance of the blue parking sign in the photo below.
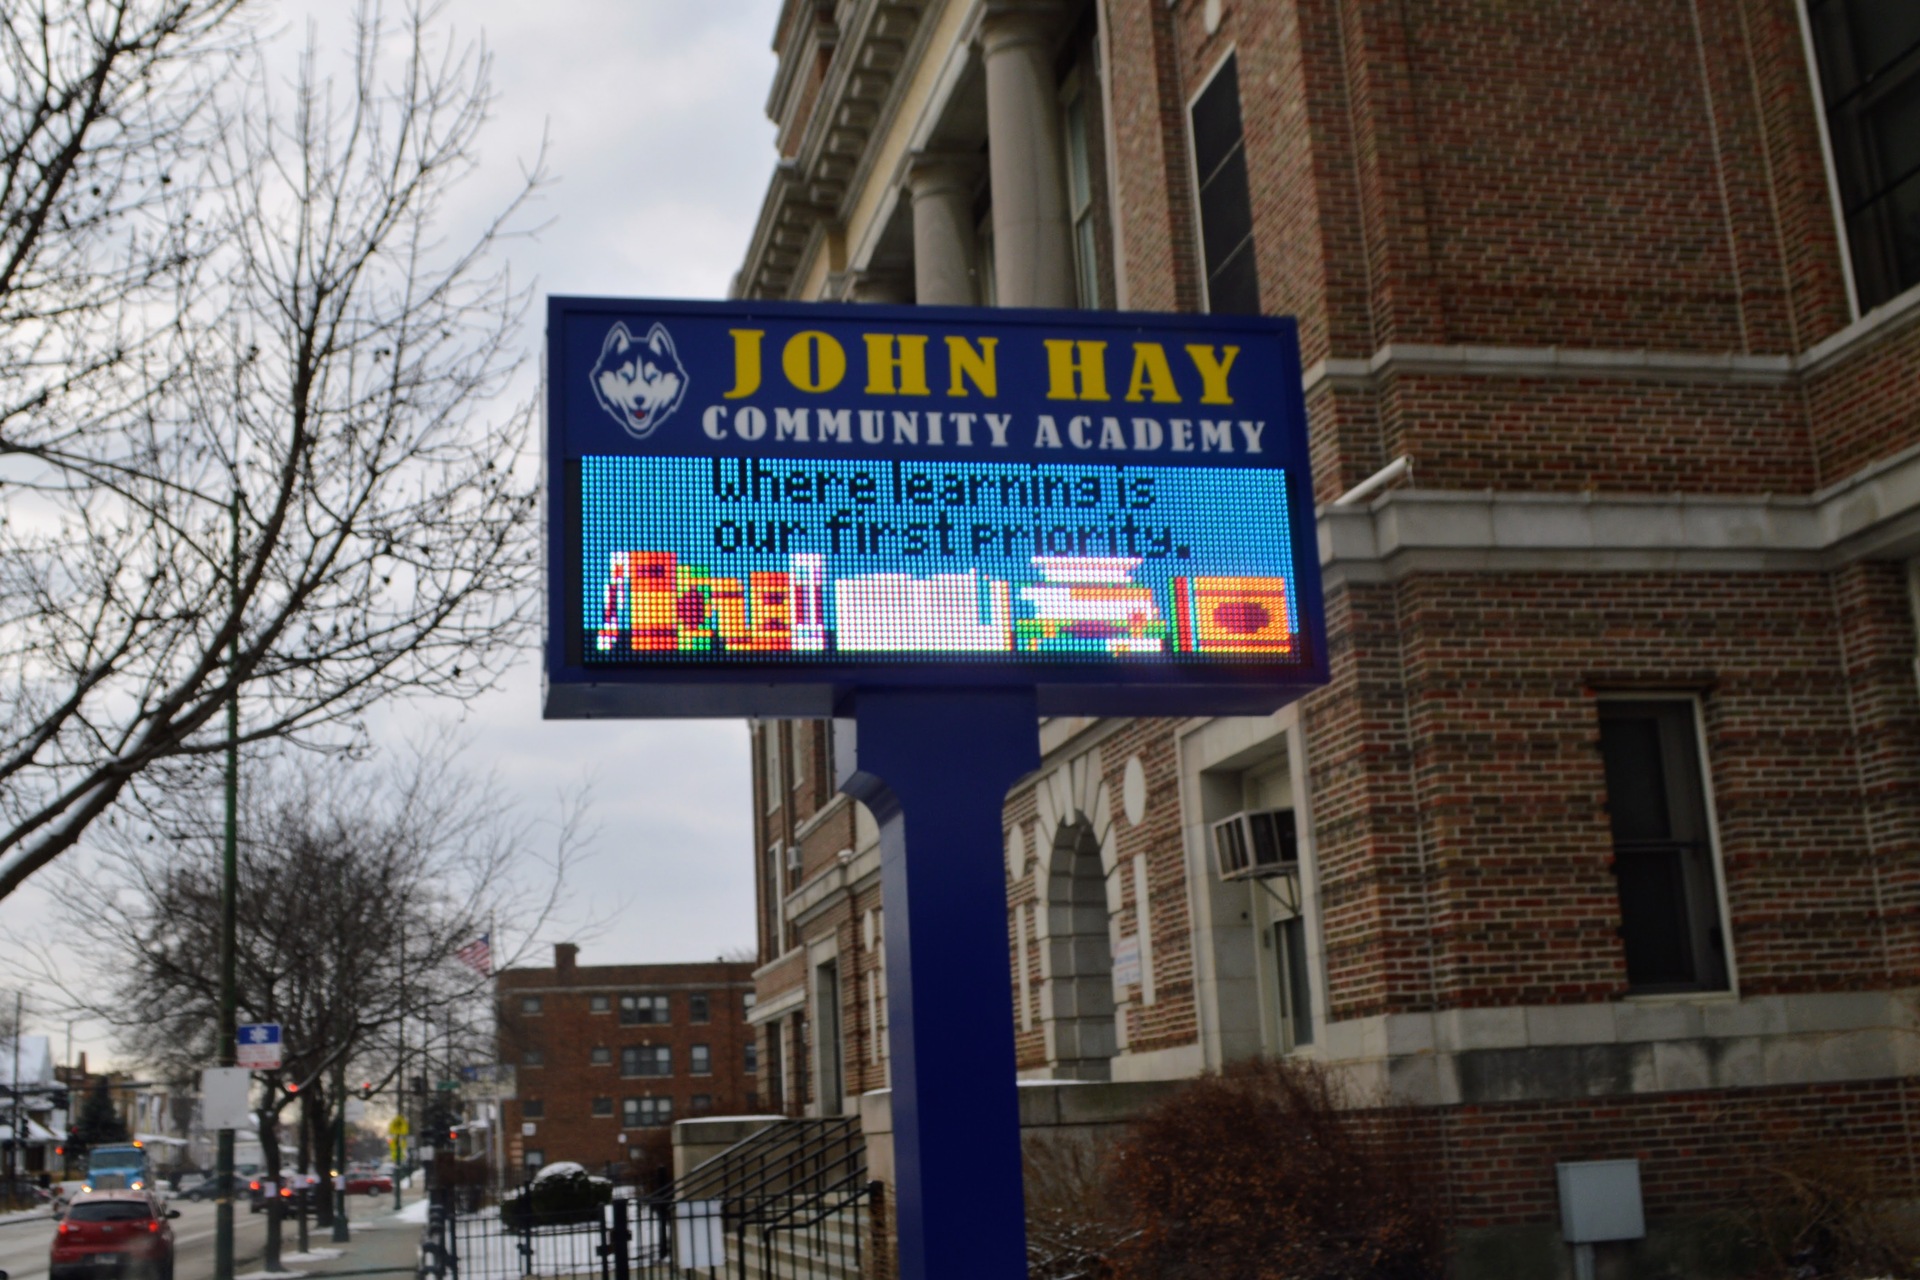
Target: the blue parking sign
pixel 258 1046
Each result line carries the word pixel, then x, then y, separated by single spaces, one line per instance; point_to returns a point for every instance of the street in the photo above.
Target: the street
pixel 379 1242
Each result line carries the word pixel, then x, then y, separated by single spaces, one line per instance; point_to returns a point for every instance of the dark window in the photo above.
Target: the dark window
pixel 1226 211
pixel 108 1211
pixel 603 1106
pixel 701 1105
pixel 533 1109
pixel 530 1058
pixel 646 1060
pixel 601 1056
pixel 1296 995
pixel 599 1004
pixel 529 1004
pixel 638 1010
pixel 1869 57
pixel 641 1113
pixel 753 1057
pixel 699 1009
pixel 700 1060
pixel 1662 856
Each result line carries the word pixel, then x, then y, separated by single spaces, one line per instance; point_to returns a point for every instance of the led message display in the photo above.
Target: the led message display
pixel 758 508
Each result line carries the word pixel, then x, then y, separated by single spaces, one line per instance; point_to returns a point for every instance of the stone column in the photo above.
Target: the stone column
pixel 945 256
pixel 1032 234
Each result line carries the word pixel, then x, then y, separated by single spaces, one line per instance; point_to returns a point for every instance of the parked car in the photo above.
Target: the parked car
pixel 119 1233
pixel 295 1191
pixel 366 1182
pixel 198 1186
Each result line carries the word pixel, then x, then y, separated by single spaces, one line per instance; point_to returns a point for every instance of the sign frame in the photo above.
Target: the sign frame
pixel 263 1054
pixel 575 689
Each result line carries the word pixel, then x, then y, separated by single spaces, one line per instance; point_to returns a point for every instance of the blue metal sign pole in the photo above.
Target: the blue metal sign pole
pixel 935 768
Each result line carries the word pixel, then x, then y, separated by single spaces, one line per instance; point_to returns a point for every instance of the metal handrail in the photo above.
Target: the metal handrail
pixel 780 1146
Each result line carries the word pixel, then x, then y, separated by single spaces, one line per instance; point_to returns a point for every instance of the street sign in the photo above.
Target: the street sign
pixel 447 1086
pixel 398 1127
pixel 758 508
pixel 258 1047
pixel 226 1098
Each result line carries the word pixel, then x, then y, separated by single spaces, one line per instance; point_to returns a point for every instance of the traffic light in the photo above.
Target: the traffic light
pixel 366 1090
pixel 292 1087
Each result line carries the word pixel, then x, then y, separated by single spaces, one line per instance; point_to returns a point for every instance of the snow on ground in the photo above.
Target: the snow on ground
pixel 415 1212
pixel 312 1255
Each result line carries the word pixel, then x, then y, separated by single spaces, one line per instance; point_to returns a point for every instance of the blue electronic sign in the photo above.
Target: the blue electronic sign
pixel 759 508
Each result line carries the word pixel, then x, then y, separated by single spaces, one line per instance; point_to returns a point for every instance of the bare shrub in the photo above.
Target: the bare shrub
pixel 1824 1209
pixel 1073 1225
pixel 1266 1171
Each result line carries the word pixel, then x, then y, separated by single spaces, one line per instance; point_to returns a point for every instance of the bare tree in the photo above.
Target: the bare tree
pixel 357 887
pixel 308 511
pixel 105 110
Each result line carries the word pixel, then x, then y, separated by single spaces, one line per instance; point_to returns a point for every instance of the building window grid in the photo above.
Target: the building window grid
pixel 646 1113
pixel 533 1109
pixel 602 1107
pixel 530 1005
pixel 700 1060
pixel 639 1010
pixel 599 1004
pixel 600 1056
pixel 699 1008
pixel 646 1060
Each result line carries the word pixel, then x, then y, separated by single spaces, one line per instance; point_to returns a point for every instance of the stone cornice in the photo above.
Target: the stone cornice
pixel 814 184
pixel 1873 514
pixel 1399 359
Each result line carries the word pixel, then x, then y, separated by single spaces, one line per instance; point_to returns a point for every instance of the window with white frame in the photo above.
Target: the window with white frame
pixel 639 1010
pixel 646 1060
pixel 1086 266
pixel 1663 863
pixel 1226 206
pixel 646 1113
pixel 1868 55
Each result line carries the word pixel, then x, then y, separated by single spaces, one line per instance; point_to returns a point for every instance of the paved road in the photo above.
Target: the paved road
pixel 378 1242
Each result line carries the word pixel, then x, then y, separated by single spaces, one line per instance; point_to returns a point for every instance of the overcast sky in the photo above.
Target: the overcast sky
pixel 661 151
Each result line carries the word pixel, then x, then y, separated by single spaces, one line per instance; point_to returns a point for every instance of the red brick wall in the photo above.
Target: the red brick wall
pixel 1697 1150
pixel 1457 753
pixel 565 1031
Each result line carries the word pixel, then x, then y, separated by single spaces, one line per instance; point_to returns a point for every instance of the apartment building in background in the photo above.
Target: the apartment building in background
pixel 606 1055
pixel 1604 840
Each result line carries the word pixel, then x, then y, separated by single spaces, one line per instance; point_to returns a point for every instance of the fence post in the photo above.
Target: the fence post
pixel 622 1267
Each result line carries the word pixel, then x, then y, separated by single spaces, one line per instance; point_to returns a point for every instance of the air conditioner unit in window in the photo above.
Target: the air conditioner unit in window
pixel 1253 845
pixel 793 857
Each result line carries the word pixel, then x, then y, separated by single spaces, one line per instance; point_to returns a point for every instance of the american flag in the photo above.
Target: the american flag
pixel 477 956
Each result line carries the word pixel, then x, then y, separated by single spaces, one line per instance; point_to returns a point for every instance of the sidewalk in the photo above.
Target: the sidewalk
pixel 383 1243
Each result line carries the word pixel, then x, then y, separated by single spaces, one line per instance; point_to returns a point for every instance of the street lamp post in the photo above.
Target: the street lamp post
pixel 229 877
pixel 340 1152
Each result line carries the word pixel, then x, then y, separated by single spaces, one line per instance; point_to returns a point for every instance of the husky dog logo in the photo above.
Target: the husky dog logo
pixel 640 382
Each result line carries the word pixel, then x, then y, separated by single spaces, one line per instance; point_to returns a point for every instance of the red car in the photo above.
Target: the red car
pixel 117 1233
pixel 365 1182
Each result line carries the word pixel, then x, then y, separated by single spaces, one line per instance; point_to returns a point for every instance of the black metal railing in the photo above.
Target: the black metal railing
pixel 790 1202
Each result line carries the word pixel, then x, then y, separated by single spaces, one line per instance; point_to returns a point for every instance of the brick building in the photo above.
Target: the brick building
pixel 606 1056
pixel 1604 840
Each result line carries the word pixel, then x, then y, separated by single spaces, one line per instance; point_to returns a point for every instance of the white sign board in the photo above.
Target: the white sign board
pixel 258 1047
pixel 226 1098
pixel 1126 962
